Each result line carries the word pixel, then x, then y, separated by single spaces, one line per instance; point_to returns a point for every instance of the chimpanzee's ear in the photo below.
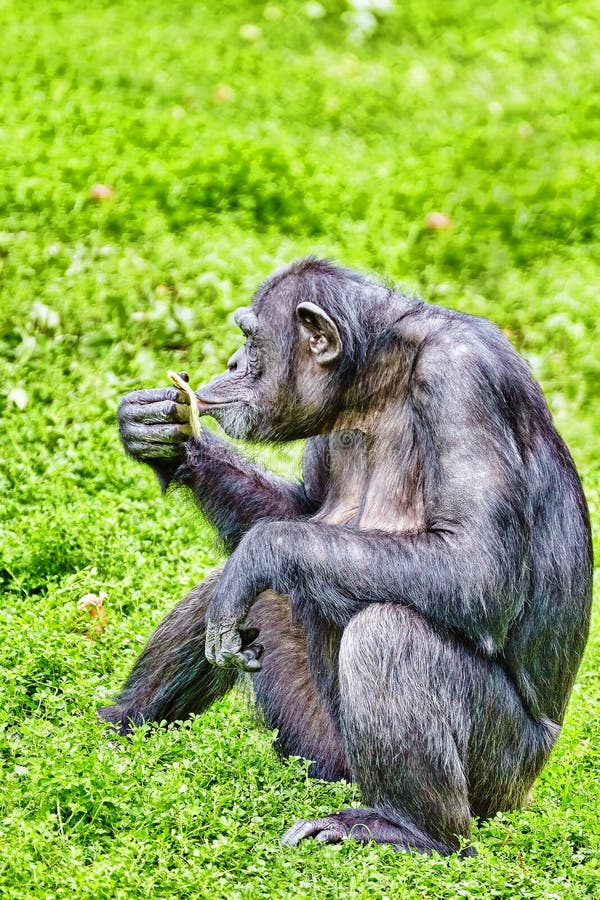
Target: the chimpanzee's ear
pixel 321 331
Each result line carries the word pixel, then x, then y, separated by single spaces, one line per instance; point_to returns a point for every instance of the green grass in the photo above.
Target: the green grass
pixel 227 157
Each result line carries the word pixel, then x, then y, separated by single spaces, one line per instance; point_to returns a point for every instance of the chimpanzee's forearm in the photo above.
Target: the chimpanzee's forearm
pixel 165 470
pixel 234 493
pixel 340 570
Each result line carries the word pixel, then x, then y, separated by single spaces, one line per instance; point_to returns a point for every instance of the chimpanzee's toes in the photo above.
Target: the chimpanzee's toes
pixel 328 831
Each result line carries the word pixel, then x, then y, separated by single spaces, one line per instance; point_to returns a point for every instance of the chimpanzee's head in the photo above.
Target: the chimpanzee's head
pixel 305 341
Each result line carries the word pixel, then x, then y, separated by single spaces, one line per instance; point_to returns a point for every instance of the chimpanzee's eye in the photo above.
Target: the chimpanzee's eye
pixel 251 353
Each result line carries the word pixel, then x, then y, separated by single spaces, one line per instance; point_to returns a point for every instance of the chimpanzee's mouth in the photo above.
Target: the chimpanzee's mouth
pixel 215 404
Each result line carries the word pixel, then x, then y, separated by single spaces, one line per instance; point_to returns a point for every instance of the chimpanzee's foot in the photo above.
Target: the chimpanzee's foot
pixel 368 825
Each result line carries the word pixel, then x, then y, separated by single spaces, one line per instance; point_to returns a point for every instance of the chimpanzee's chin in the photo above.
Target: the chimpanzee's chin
pixel 236 420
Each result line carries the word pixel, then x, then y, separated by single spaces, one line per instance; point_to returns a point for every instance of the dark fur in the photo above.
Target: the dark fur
pixel 422 596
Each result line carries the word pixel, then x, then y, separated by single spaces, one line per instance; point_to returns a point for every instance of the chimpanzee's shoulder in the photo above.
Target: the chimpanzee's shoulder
pixel 447 337
pixel 459 355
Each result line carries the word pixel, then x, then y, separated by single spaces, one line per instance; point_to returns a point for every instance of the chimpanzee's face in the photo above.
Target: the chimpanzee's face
pixel 279 384
pixel 239 398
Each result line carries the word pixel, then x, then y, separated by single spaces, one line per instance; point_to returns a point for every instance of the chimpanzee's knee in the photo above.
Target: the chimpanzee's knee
pixel 396 675
pixel 391 641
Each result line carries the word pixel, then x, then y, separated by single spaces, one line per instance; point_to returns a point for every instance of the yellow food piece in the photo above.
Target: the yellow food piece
pixel 184 386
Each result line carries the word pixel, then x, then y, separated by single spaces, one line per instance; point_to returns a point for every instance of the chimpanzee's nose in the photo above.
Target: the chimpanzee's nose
pixel 234 361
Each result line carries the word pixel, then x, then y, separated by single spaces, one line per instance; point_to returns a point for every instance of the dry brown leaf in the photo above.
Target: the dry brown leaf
pixel 92 606
pixel 101 192
pixel 438 221
pixel 223 94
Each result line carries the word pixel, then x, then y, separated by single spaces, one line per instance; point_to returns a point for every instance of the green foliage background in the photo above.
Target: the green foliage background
pixel 231 150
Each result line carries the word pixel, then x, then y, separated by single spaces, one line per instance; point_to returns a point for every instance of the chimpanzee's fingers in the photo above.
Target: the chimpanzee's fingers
pixel 145 442
pixel 245 660
pixel 250 652
pixel 224 648
pixel 228 653
pixel 251 657
pixel 164 411
pixel 147 451
pixel 153 395
pixel 210 646
pixel 154 434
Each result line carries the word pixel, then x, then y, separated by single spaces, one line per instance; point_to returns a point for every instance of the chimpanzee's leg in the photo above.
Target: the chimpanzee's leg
pixel 433 733
pixel 171 678
pixel 286 691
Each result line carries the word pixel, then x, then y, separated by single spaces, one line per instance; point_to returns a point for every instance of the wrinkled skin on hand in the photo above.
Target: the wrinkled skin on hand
pixel 230 647
pixel 154 424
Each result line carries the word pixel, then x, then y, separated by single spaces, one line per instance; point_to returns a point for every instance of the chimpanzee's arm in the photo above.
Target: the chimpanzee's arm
pixel 466 572
pixel 234 493
pixel 453 580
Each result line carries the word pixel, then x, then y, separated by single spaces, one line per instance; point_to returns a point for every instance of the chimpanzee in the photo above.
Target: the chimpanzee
pixel 422 596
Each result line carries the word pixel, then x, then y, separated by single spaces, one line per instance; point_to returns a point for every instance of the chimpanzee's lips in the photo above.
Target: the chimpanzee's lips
pixel 214 403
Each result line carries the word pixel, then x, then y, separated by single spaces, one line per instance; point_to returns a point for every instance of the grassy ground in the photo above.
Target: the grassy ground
pixel 228 150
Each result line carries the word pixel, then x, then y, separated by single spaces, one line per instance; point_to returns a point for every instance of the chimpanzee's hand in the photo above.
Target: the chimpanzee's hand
pixel 154 424
pixel 230 647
